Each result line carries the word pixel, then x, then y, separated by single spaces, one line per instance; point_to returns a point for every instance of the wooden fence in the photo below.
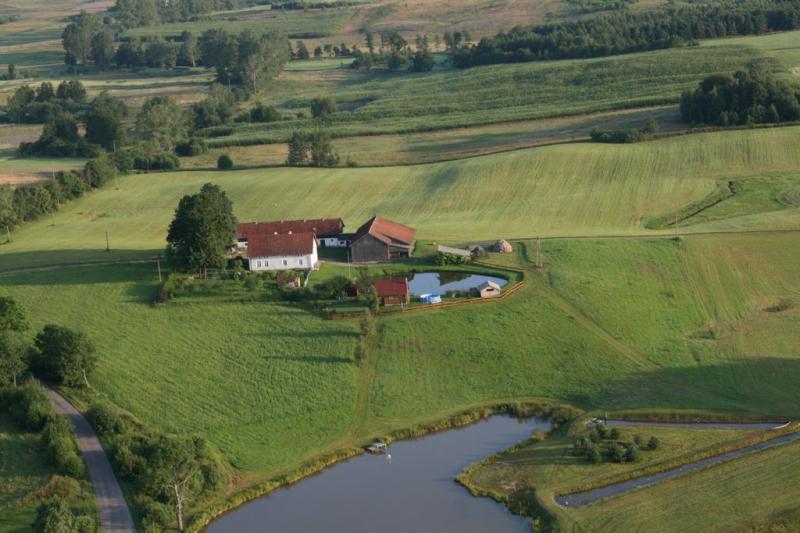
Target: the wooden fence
pixel 428 307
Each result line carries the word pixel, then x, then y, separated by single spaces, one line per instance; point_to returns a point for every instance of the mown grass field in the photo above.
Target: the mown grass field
pixel 584 189
pixel 394 103
pixel 753 491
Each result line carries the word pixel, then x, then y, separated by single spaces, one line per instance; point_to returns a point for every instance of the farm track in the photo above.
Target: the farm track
pixel 112 508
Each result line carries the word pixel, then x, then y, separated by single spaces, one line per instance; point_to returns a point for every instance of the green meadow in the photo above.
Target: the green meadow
pixel 584 189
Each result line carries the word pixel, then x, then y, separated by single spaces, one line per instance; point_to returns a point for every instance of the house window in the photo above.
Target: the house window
pixel 285 262
pixel 301 261
pixel 267 263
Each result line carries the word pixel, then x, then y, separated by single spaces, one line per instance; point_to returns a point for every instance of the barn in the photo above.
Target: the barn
pixel 327 231
pixel 380 239
pixel 392 291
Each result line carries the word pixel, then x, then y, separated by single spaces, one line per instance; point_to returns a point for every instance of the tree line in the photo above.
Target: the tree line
pixel 621 33
pixel 754 96
pixel 247 59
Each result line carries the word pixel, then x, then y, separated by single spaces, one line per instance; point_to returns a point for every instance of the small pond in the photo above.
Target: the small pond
pixel 415 493
pixel 442 282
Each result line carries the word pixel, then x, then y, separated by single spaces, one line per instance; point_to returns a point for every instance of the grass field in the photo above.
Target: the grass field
pixel 373 103
pixel 563 190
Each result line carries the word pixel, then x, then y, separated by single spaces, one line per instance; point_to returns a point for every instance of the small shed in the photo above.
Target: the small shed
pixel 503 246
pixel 477 250
pixel 392 291
pixel 430 298
pixel 488 289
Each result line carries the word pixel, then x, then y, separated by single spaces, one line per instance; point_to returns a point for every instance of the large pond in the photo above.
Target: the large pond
pixel 442 282
pixel 415 493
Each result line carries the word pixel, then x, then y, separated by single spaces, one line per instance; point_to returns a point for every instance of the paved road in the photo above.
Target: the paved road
pixel 111 506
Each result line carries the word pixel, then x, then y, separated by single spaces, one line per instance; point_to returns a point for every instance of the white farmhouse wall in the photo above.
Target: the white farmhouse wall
pixel 286 262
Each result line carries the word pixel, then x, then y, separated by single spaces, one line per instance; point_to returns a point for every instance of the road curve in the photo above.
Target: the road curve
pixel 111 505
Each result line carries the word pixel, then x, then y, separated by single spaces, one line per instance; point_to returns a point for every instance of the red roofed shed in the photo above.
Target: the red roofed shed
pixel 392 291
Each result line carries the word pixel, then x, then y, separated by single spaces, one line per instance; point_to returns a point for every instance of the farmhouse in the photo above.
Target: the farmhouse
pixel 282 251
pixel 380 239
pixel 327 231
pixel 392 291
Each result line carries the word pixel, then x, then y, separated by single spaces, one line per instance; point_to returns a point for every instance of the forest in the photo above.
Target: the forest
pixel 622 33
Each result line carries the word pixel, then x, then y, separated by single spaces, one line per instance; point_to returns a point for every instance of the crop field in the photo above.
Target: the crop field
pixel 784 46
pixel 563 190
pixel 383 103
pixel 456 143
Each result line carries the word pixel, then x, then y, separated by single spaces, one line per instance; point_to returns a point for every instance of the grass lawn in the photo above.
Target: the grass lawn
pixel 574 189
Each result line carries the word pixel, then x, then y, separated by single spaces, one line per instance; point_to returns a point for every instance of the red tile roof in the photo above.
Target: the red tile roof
pixel 282 244
pixel 387 231
pixel 391 287
pixel 322 227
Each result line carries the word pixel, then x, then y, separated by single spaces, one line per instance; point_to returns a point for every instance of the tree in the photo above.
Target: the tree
pixel 260 59
pixel 298 149
pixel 54 516
pixel 203 228
pixel 396 60
pixel 322 107
pixel 102 48
pixel 105 121
pixel 189 51
pixel 64 355
pixel 12 358
pixel 162 122
pixel 302 51
pixel 12 73
pixel 322 152
pixel 77 36
pixel 224 162
pixel 653 443
pixel 160 54
pixel 72 90
pixel 180 470
pixel 422 61
pixel 12 316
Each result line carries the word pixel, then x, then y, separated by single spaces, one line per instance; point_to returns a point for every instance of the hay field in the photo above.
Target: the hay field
pixel 574 189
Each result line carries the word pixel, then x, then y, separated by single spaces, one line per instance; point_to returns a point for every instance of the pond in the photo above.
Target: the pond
pixel 441 282
pixel 415 493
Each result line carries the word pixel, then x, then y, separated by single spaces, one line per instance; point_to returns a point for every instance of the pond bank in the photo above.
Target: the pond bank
pixel 415 492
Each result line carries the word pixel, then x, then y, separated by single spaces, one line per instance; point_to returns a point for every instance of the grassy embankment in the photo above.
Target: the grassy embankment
pixel 565 190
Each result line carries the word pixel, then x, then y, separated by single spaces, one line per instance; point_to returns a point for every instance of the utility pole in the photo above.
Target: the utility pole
pixel 108 248
pixel 538 252
pixel 158 265
pixel 8 233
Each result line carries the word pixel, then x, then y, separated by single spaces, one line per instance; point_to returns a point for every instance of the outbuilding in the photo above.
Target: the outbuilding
pixel 488 289
pixel 380 239
pixel 288 251
pixel 392 291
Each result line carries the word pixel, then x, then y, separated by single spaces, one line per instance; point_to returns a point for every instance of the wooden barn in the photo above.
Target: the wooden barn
pixel 382 240
pixel 488 289
pixel 392 291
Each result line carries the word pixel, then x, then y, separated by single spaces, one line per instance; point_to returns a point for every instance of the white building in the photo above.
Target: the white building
pixel 285 251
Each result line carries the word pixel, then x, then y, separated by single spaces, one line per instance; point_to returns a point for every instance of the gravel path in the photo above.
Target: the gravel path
pixel 111 506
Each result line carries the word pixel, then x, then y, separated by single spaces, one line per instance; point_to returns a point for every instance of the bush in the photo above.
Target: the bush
pixel 100 171
pixel 638 440
pixel 55 516
pixel 593 454
pixel 322 107
pixel 27 405
pixel 106 420
pixel 193 146
pixel 654 443
pixel 263 113
pixel 224 162
pixel 614 434
pixel 156 162
pixel 602 430
pixel 632 455
pixel 60 448
pixel 618 453
pixel 595 435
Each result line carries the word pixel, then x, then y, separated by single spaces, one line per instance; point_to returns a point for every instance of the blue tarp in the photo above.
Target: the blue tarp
pixel 430 299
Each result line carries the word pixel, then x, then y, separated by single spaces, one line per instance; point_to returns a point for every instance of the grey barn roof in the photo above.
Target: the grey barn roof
pixel 453 251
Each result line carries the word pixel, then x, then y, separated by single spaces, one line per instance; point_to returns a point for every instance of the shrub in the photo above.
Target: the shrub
pixel 618 453
pixel 106 420
pixel 594 435
pixel 60 447
pixel 162 161
pixel 322 107
pixel 602 430
pixel 654 443
pixel 55 516
pixel 614 434
pixel 638 440
pixel 224 162
pixel 100 171
pixel 27 405
pixel 593 454
pixel 193 146
pixel 264 113
pixel 632 455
